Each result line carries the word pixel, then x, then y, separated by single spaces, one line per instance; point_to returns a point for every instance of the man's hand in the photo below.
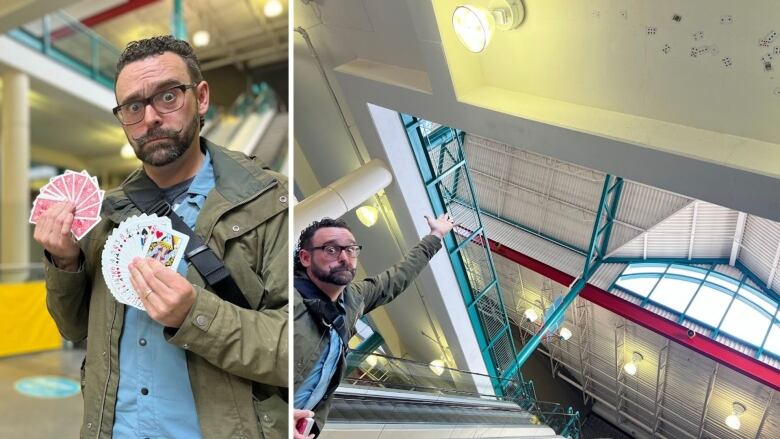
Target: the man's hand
pixel 166 295
pixel 53 233
pixel 297 416
pixel 441 225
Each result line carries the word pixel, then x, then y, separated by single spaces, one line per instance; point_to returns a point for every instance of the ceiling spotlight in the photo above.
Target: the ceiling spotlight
pixel 437 367
pixel 565 333
pixel 371 360
pixel 273 8
pixel 630 367
pixel 531 315
pixel 733 420
pixel 201 38
pixel 474 25
pixel 368 215
pixel 127 152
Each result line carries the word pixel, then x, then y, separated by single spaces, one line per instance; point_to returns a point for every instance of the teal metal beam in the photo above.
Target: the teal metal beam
pixel 178 26
pixel 363 350
pixel 598 237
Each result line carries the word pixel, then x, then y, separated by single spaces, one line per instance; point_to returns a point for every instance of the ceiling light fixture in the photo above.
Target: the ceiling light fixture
pixel 273 8
pixel 437 367
pixel 531 315
pixel 733 420
pixel 630 367
pixel 474 25
pixel 565 333
pixel 201 38
pixel 127 152
pixel 371 360
pixel 368 215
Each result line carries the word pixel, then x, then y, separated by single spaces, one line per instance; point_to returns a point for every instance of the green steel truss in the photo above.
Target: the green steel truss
pixel 439 153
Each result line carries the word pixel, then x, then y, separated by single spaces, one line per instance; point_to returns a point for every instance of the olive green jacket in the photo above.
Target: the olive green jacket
pixel 237 358
pixel 310 337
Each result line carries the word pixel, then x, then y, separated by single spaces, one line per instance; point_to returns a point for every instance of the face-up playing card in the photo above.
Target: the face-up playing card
pixel 78 188
pixel 166 247
pixel 139 236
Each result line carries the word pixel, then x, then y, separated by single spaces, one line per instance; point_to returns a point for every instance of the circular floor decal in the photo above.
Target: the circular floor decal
pixel 47 387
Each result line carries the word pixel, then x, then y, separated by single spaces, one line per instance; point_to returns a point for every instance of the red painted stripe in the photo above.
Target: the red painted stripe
pixel 108 14
pixel 702 344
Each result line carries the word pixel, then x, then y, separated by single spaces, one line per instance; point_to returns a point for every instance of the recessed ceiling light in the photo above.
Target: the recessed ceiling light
pixel 565 333
pixel 201 38
pixel 531 315
pixel 127 152
pixel 273 8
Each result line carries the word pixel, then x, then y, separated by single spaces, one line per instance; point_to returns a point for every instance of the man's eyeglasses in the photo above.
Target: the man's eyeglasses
pixel 334 251
pixel 166 101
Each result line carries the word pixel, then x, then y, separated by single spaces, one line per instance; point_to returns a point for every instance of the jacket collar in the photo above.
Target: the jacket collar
pixel 237 178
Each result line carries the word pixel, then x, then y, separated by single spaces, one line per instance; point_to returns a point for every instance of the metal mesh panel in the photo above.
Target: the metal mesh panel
pixel 502 353
pixel 477 264
pixel 491 313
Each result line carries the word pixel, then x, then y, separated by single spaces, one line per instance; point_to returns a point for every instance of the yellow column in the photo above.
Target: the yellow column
pixel 14 187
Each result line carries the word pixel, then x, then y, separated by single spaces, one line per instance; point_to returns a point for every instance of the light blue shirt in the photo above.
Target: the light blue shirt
pixel 313 388
pixel 155 399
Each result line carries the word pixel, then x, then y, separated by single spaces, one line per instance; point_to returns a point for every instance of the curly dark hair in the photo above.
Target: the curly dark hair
pixel 157 45
pixel 308 233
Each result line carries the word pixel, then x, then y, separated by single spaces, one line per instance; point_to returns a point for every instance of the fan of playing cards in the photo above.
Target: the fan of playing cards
pixel 79 188
pixel 144 236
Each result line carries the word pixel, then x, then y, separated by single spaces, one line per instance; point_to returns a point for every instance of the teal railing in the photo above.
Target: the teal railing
pixel 67 41
pixel 376 370
pixel 441 160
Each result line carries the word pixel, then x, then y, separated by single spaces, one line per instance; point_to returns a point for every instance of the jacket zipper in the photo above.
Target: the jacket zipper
pixel 108 376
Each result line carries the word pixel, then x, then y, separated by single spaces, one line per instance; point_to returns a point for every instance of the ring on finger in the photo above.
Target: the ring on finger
pixel 147 293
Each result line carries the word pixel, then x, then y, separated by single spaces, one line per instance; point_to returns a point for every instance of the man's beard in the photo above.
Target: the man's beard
pixel 164 151
pixel 341 275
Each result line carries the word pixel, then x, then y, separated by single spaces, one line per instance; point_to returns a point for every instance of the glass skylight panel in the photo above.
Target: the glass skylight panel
pixel 723 281
pixel 674 293
pixel 709 305
pixel 755 297
pixel 645 268
pixel 746 322
pixel 687 271
pixel 640 286
pixel 773 341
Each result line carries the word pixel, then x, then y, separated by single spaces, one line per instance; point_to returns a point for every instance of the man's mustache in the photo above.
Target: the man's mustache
pixel 156 134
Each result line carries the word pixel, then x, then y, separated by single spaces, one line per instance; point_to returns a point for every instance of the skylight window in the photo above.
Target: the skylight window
pixel 712 299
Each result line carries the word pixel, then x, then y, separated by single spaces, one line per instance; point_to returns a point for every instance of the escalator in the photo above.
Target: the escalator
pixel 254 125
pixel 397 398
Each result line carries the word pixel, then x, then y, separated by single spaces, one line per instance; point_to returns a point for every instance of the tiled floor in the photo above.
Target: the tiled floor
pixel 26 417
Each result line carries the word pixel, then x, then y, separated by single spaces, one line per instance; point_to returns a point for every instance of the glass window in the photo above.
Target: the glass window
pixel 645 268
pixel 638 285
pixel 756 297
pixel 709 305
pixel 723 281
pixel 746 322
pixel 697 273
pixel 773 341
pixel 674 293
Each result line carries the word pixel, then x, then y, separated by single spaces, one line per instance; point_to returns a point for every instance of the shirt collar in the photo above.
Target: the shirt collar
pixel 204 179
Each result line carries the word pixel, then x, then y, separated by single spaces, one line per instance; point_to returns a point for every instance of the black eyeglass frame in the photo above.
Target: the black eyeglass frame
pixel 341 248
pixel 148 101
